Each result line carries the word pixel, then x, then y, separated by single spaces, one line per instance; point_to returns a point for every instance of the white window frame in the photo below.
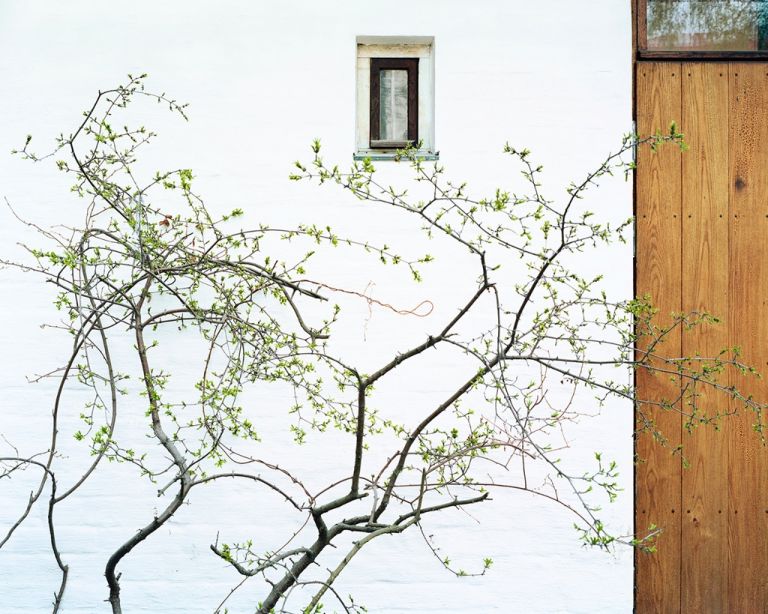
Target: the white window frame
pixel 422 47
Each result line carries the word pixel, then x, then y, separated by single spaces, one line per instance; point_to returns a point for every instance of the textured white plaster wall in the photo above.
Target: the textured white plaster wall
pixel 263 79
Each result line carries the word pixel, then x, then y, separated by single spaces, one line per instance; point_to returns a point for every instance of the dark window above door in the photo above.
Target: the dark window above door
pixel 702 29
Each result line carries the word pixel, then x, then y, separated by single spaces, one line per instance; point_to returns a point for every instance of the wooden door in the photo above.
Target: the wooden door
pixel 702 244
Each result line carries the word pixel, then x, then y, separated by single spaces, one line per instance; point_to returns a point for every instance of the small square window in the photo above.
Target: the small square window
pixel 395 96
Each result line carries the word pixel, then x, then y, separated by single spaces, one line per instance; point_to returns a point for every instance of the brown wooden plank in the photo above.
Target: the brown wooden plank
pixel 704 545
pixel 658 273
pixel 641 15
pixel 748 469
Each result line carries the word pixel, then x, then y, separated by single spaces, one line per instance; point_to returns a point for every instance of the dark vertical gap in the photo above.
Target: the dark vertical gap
pixel 413 100
pixel 634 294
pixel 633 112
pixel 374 97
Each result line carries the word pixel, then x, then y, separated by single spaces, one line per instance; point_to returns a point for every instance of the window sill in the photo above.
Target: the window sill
pixel 379 155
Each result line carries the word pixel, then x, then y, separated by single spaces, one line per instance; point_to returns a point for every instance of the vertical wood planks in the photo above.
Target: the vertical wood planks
pixel 714 257
pixel 705 184
pixel 658 273
pixel 747 466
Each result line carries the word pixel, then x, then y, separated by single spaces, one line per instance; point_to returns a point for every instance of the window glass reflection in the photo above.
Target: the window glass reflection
pixel 707 25
pixel 393 105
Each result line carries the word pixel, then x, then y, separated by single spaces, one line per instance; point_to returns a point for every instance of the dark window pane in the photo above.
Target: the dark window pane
pixel 707 25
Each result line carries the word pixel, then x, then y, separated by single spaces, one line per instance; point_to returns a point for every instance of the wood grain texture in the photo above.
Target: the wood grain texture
pixel 705 185
pixel 720 190
pixel 658 273
pixel 748 271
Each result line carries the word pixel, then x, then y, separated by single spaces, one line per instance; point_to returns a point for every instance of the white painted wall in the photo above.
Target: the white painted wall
pixel 264 79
